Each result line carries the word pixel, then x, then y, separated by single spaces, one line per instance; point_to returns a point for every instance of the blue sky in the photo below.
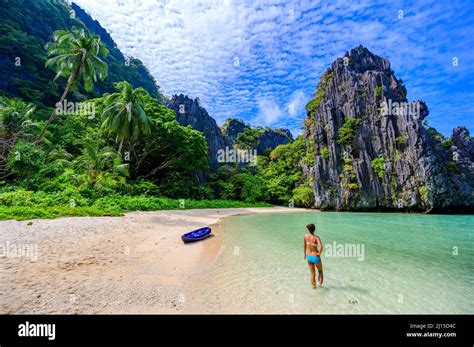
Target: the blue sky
pixel 261 60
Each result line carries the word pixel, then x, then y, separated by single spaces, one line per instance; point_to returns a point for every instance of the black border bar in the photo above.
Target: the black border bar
pixel 260 329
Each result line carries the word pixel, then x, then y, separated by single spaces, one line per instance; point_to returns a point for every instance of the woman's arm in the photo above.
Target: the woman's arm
pixel 304 247
pixel 320 246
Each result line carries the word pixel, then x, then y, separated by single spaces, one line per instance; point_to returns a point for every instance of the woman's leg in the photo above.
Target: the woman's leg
pixel 313 274
pixel 319 265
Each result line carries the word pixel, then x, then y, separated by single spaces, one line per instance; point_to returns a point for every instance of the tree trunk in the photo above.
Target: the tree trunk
pixel 120 147
pixel 53 114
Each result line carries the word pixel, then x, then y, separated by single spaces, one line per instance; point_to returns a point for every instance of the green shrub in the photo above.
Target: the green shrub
pixel 424 192
pixel 393 188
pixel 124 203
pixel 435 134
pixel 401 140
pixel 248 139
pixel 309 157
pixel 22 204
pixel 21 197
pixel 347 133
pixel 227 190
pixel 27 212
pixel 303 196
pixel 313 105
pixel 378 164
pixel 379 90
pixel 144 187
pixel 253 188
pixel 347 168
pixel 353 186
pixel 325 153
pixel 26 160
pixel 178 185
pixel 447 144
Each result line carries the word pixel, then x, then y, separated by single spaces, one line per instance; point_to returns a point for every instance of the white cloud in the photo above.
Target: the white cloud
pixel 190 47
pixel 297 103
pixel 269 112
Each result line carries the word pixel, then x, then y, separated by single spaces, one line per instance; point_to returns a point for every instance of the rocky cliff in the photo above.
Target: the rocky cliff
pixel 371 149
pixel 189 112
pixel 269 139
pixel 234 132
pixel 263 139
pixel 233 127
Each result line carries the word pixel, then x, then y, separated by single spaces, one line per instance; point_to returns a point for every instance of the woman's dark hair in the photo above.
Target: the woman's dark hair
pixel 311 228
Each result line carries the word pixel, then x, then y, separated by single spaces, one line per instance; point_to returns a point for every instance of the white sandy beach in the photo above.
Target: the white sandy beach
pixel 131 264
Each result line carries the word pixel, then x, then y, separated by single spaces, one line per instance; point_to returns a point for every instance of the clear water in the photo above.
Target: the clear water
pixel 411 263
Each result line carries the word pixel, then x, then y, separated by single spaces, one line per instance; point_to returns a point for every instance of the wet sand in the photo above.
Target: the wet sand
pixel 131 264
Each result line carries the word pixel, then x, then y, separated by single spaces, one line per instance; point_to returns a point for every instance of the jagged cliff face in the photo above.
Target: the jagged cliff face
pixel 233 127
pixel 462 153
pixel 264 139
pixel 272 138
pixel 372 151
pixel 189 112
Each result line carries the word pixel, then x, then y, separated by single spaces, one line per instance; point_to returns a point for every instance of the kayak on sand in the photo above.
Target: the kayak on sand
pixel 196 235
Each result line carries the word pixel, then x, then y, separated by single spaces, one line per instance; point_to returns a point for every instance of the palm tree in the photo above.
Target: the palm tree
pixel 15 115
pixel 95 159
pixel 75 54
pixel 124 116
pixel 101 166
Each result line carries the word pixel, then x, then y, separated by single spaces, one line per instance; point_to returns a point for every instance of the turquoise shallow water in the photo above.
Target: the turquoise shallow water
pixel 409 263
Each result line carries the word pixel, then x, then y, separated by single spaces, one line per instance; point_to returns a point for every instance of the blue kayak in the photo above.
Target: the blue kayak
pixel 196 235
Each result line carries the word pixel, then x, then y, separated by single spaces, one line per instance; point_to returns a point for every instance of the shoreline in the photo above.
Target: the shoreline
pixel 136 263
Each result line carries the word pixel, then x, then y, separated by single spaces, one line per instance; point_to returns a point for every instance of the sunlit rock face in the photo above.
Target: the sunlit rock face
pixel 372 150
pixel 267 139
pixel 189 112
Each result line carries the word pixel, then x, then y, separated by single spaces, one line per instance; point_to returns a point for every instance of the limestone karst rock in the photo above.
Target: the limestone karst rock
pixel 372 151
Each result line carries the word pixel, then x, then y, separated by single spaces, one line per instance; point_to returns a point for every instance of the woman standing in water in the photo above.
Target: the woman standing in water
pixel 314 249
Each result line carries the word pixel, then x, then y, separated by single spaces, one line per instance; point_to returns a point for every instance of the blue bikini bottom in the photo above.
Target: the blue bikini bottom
pixel 314 259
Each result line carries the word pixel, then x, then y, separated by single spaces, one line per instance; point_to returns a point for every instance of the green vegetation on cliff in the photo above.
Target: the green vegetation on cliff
pixel 378 164
pixel 25 28
pixel 313 105
pixel 347 133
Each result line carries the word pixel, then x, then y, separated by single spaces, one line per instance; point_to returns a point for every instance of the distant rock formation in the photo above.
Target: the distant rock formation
pixel 233 127
pixel 462 150
pixel 371 149
pixel 189 112
pixel 272 138
pixel 264 139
